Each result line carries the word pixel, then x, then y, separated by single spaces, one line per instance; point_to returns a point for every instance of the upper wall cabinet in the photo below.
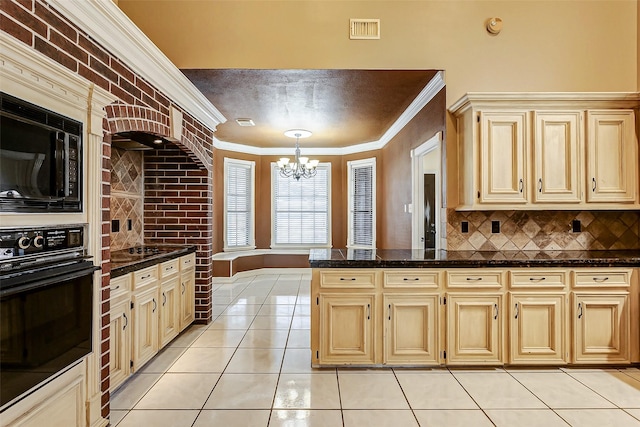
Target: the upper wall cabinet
pixel 547 151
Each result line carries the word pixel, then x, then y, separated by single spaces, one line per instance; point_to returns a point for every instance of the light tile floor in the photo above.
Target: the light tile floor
pixel 251 367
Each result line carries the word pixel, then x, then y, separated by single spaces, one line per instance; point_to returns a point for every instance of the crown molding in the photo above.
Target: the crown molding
pixel 529 100
pixel 435 85
pixel 105 22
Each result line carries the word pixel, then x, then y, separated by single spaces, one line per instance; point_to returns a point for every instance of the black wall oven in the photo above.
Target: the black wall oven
pixel 46 302
pixel 40 159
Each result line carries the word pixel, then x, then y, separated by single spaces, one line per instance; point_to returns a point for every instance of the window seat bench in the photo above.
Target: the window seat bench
pixel 228 264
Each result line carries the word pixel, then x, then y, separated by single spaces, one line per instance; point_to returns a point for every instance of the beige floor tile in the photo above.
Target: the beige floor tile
pixel 525 418
pixel 203 359
pixel 179 391
pixel 232 322
pixel 559 390
pixel 379 418
pixel 298 361
pixel 453 418
pixel 370 391
pixel 430 391
pixel 306 418
pixel 218 308
pixel 243 391
pixel 303 299
pixel 163 360
pixel 188 336
pixel 115 416
pixel 276 310
pixel 301 322
pixel 271 322
pixel 307 391
pixel 302 310
pixel 133 390
pixel 256 360
pixel 299 338
pixel 237 418
pixel 633 373
pixel 281 299
pixel 598 418
pixel 496 390
pixel 241 310
pixel 634 413
pixel 219 338
pixel 620 389
pixel 159 418
pixel 251 300
pixel 265 338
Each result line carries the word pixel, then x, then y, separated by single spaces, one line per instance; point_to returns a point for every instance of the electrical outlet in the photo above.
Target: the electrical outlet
pixel 464 227
pixel 495 227
pixel 115 225
pixel 129 225
pixel 576 226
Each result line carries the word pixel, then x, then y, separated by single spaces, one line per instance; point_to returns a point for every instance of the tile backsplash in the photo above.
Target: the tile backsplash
pixel 543 230
pixel 127 198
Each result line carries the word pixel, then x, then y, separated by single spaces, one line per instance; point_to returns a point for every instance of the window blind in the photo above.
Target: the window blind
pixel 301 209
pixel 362 204
pixel 238 204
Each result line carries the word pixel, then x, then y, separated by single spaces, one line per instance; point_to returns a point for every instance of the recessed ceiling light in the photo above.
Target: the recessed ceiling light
pixel 245 122
pixel 157 141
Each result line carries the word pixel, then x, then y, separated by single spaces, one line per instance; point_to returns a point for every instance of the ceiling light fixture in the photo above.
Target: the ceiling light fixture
pixel 301 166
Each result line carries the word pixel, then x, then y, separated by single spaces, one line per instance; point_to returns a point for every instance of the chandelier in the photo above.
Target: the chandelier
pixel 301 166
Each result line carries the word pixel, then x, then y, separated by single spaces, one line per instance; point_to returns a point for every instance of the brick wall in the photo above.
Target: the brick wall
pixel 139 106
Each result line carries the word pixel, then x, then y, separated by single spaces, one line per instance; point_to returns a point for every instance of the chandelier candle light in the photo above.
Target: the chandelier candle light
pixel 301 166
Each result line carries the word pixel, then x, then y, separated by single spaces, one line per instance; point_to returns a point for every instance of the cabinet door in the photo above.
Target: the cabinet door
pixel 537 329
pixel 119 343
pixel 411 329
pixel 612 160
pixel 601 327
pixel 187 297
pixel 503 145
pixel 145 326
pixel 347 329
pixel 169 310
pixel 556 157
pixel 474 329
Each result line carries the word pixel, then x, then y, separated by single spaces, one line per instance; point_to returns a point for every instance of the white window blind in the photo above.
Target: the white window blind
pixel 362 202
pixel 301 209
pixel 239 204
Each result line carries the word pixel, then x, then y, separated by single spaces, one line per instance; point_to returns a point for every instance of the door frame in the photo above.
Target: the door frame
pixel 417 191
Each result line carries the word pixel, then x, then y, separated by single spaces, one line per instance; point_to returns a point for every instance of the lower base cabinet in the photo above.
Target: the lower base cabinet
pixel 169 310
pixel 187 296
pixel 146 315
pixel 120 342
pixel 411 329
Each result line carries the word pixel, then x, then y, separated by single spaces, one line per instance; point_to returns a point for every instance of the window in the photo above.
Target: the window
pixel 239 177
pixel 361 175
pixel 301 209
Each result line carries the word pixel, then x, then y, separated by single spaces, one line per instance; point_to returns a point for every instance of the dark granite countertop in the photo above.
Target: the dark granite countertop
pixel 408 258
pixel 124 262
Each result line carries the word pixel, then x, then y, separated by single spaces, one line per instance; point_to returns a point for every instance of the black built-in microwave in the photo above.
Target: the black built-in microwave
pixel 40 159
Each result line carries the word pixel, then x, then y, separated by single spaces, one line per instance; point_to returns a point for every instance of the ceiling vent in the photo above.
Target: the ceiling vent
pixel 364 29
pixel 245 122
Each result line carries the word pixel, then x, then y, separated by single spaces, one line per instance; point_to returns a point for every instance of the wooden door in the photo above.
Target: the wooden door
pixel 411 329
pixel 601 328
pixel 347 329
pixel 145 326
pixel 119 342
pixel 187 297
pixel 556 156
pixel 612 159
pixel 169 310
pixel 503 142
pixel 474 329
pixel 538 324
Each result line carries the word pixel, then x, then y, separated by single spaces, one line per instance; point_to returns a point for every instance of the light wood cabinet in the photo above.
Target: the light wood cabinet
pixel 612 157
pixel 187 290
pixel 411 329
pixel 347 329
pixel 474 329
pixel 169 310
pixel 556 155
pixel 119 343
pixel 145 325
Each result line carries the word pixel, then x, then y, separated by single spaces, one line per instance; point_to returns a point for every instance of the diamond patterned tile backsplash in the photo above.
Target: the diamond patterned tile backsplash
pixel 543 230
pixel 127 197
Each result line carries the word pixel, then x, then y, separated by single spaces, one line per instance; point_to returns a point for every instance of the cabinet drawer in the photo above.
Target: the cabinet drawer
pixel 120 286
pixel 145 276
pixel 411 279
pixel 602 278
pixel 475 279
pixel 188 261
pixel 169 268
pixel 532 278
pixel 348 279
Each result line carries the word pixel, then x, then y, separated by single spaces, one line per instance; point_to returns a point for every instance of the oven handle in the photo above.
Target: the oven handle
pixel 48 281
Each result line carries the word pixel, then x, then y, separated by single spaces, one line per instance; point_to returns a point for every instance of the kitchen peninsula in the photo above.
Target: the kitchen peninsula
pixel 468 308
